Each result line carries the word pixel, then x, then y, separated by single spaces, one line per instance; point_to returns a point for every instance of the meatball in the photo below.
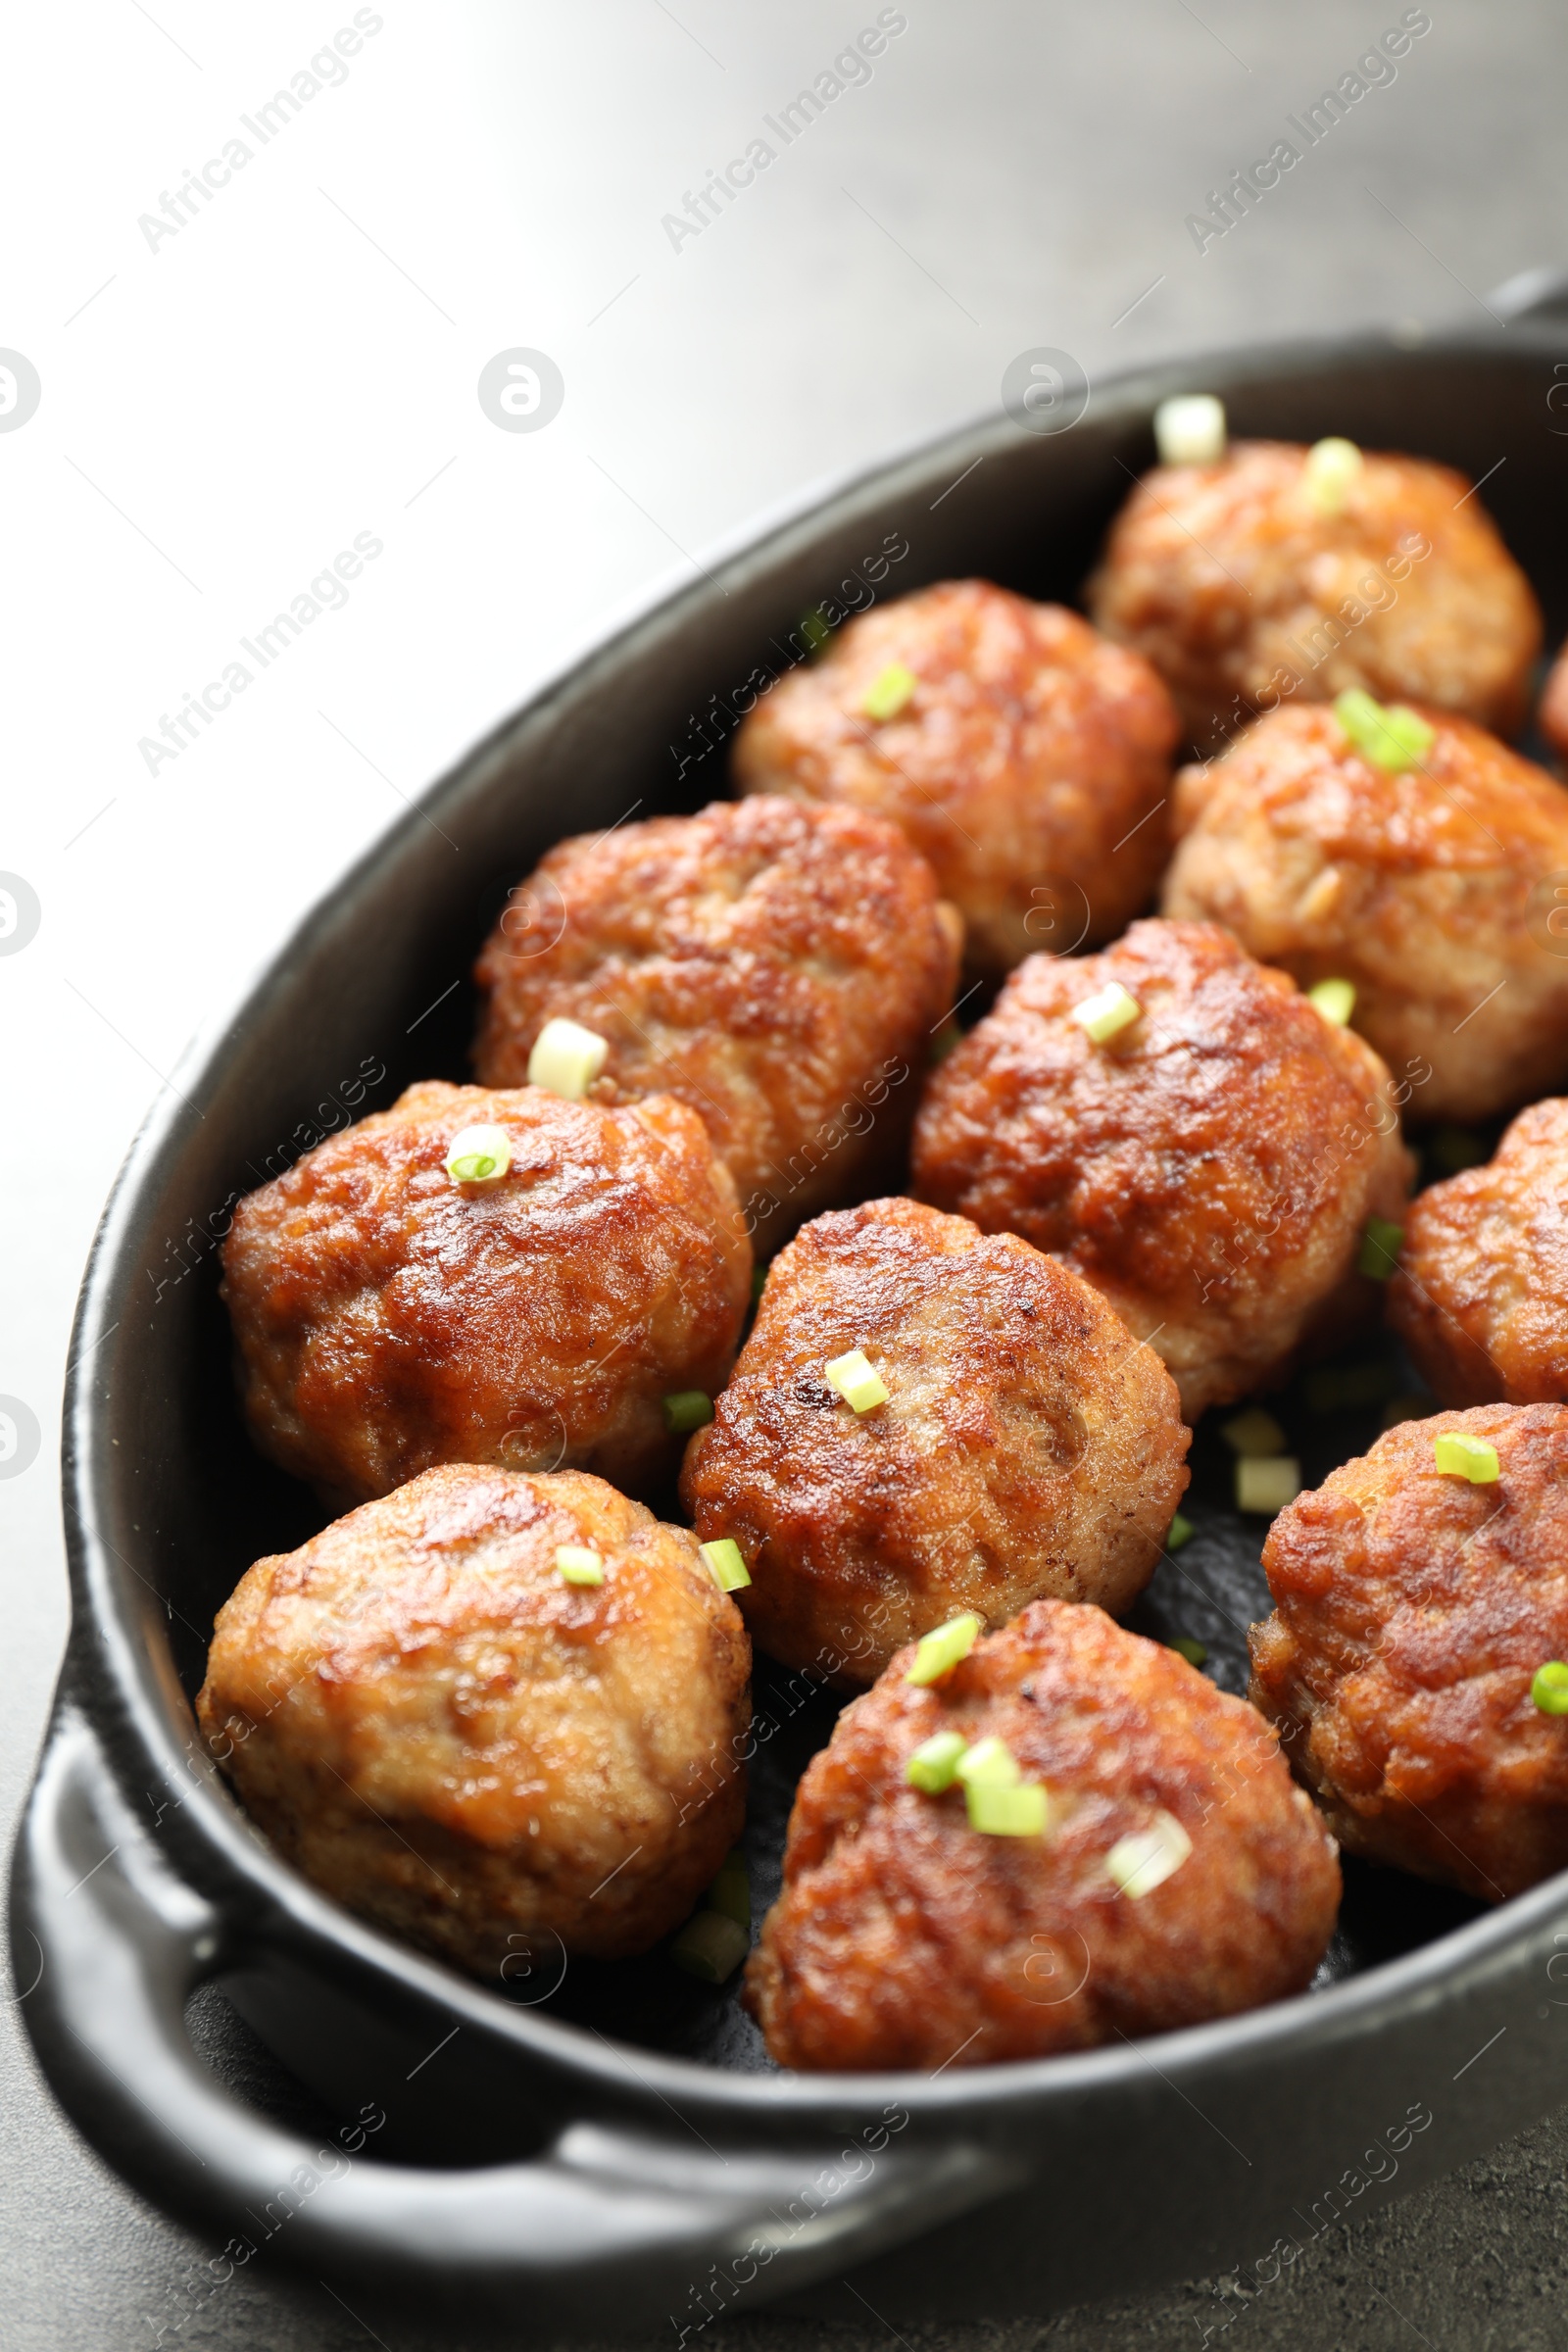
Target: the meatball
pixel 1481 1294
pixel 1030 760
pixel 1027 1444
pixel 388 1317
pixel 906 1938
pixel 1212 1166
pixel 1411 1612
pixel 782 970
pixel 1425 887
pixel 1241 591
pixel 441 1732
pixel 1553 717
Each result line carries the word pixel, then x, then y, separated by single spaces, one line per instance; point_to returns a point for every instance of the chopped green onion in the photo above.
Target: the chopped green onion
pixel 856 1381
pixel 1381 1245
pixel 730 1895
pixel 1190 430
pixel 1253 1432
pixel 1459 1455
pixel 1334 999
pixel 938 1652
pixel 567 1059
pixel 710 1946
pixel 687 1409
pixel 1332 468
pixel 1194 1652
pixel 480 1157
pixel 1003 1810
pixel 934 1764
pixel 575 1564
pixel 725 1563
pixel 1550 1689
pixel 1456 1148
pixel 1411 738
pixel 1393 738
pixel 1339 1388
pixel 815 629
pixel 990 1761
pixel 889 691
pixel 1141 1863
pixel 946 1037
pixel 1267 1486
pixel 1180 1531
pixel 1108 1011
pixel 996 1797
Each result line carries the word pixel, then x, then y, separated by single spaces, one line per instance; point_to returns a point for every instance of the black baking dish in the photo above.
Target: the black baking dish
pixel 612 2152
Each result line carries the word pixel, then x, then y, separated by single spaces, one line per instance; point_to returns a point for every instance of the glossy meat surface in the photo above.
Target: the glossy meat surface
pixel 388 1319
pixel 1030 765
pixel 780 969
pixel 1481 1294
pixel 1243 594
pixel 1432 890
pixel 904 1938
pixel 1028 1444
pixel 454 1743
pixel 1411 1612
pixel 1211 1169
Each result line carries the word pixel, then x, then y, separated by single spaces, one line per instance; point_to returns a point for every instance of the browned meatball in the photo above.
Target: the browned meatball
pixel 1411 1612
pixel 1553 717
pixel 904 1936
pixel 1211 1167
pixel 1429 888
pixel 388 1318
pixel 1481 1296
pixel 1030 762
pixel 1240 592
pixel 782 970
pixel 440 1730
pixel 1027 1445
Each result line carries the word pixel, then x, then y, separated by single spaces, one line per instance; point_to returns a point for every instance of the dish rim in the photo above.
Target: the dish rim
pixel 128 1708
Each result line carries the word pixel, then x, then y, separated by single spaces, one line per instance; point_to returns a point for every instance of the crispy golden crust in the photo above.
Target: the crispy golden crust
pixel 906 1939
pixel 1211 1169
pixel 1431 889
pixel 780 969
pixel 388 1319
pixel 442 1734
pixel 1481 1294
pixel 1030 765
pixel 1411 1612
pixel 1240 593
pixel 1028 1445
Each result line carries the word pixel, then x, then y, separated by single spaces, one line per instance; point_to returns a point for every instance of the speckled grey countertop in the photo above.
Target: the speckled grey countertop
pixel 235 383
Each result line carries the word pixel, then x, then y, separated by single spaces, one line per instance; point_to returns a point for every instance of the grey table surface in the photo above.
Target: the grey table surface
pixel 235 381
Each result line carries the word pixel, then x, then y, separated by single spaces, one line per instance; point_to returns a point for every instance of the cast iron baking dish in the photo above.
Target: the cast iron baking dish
pixel 608 2148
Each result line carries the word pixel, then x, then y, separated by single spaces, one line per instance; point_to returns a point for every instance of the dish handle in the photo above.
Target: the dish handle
pixel 608 2228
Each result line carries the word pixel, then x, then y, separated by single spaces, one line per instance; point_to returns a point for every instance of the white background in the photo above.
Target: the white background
pixel 221 414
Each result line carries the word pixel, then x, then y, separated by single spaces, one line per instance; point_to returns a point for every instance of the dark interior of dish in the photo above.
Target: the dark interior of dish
pixel 207 1507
